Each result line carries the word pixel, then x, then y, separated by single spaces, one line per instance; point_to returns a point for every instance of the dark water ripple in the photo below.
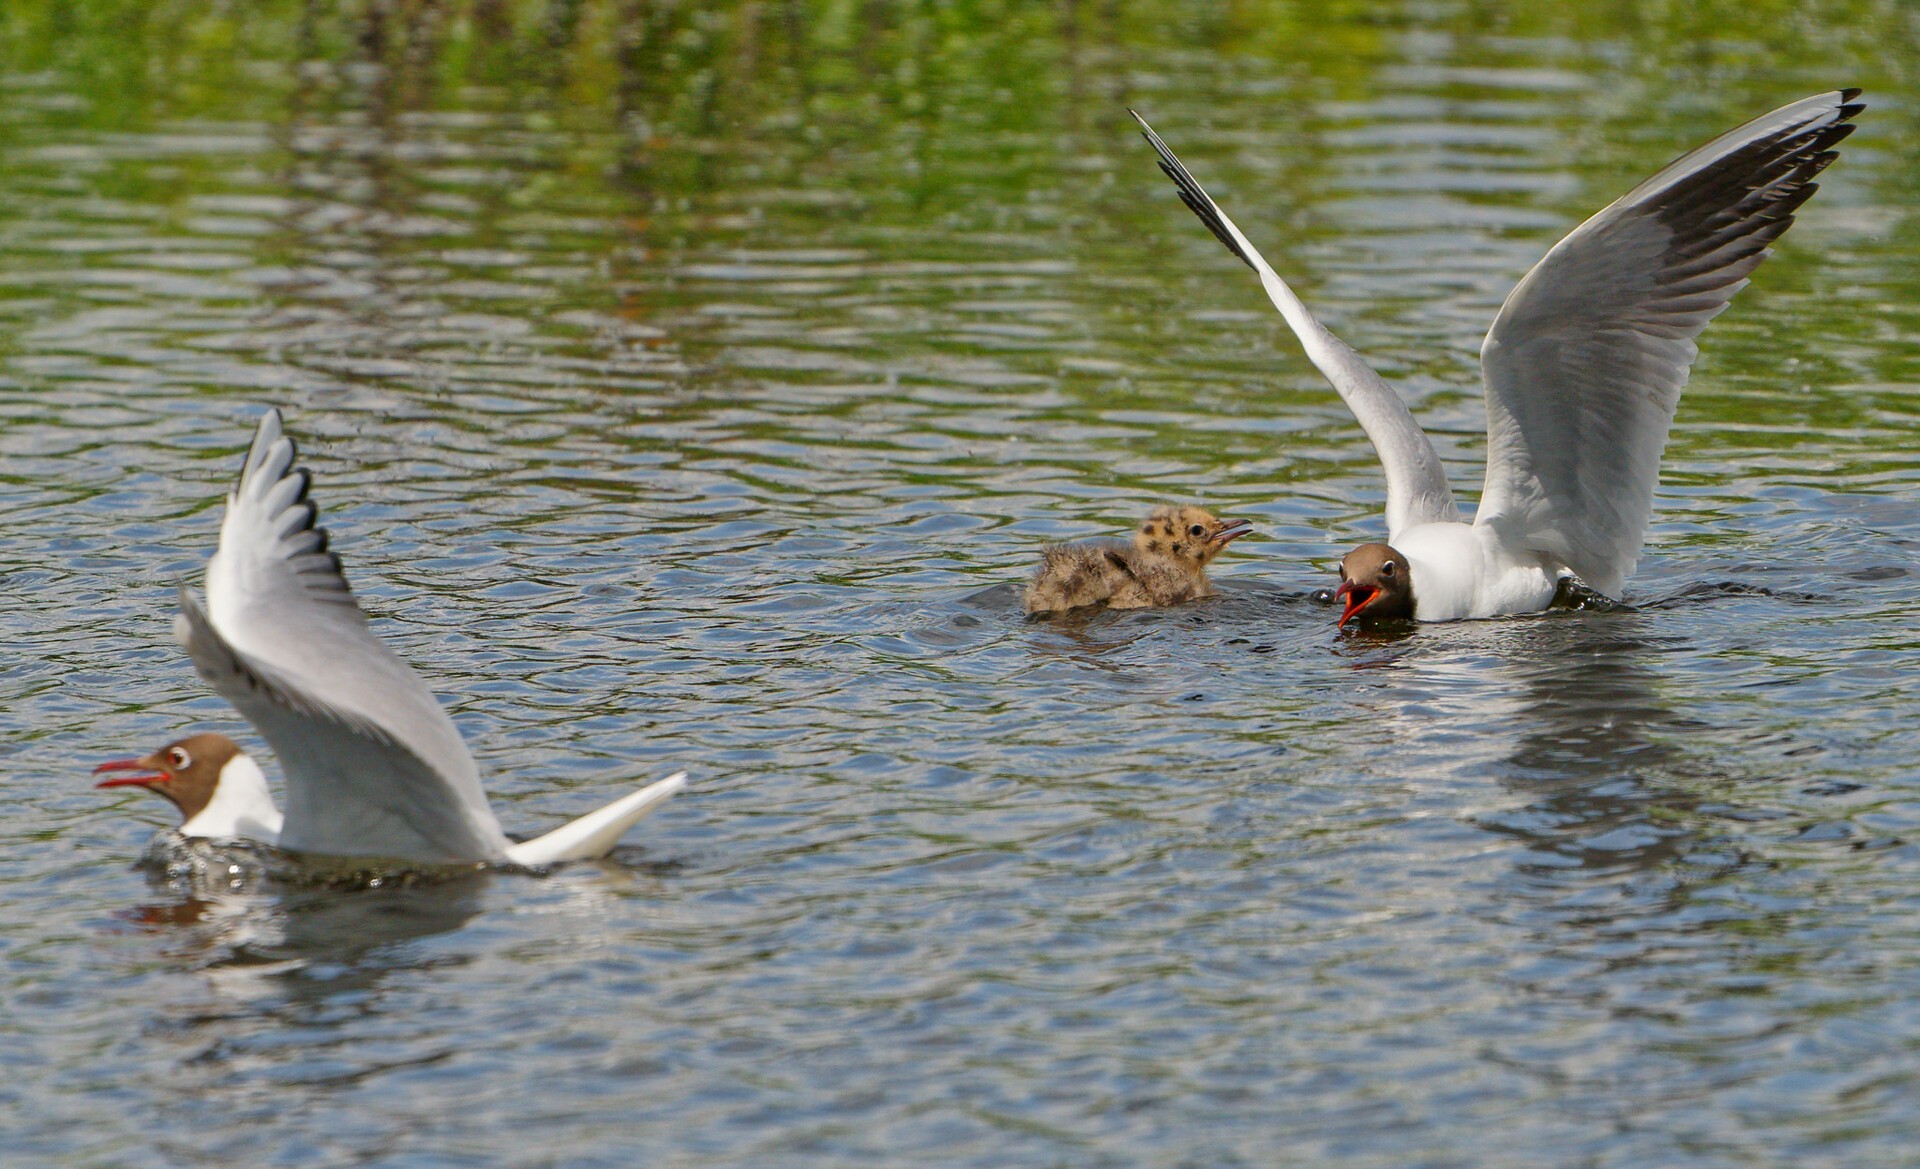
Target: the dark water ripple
pixel 664 434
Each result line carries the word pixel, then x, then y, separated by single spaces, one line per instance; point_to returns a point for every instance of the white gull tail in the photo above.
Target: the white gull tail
pixel 595 833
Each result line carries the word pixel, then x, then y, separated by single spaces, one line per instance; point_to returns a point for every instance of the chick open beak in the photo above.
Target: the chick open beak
pixel 1357 595
pixel 151 777
pixel 1230 530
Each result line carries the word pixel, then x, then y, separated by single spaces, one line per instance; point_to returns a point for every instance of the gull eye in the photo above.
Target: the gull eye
pixel 179 758
pixel 1196 530
pixel 1386 569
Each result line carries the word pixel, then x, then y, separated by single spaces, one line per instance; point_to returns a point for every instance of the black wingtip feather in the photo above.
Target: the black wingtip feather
pixel 324 577
pixel 1191 192
pixel 1849 93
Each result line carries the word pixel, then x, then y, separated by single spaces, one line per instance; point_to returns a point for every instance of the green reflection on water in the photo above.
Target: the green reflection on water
pixel 653 144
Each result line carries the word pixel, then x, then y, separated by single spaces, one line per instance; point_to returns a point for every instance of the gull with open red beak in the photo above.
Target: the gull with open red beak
pixel 373 765
pixel 1583 369
pixel 220 791
pixel 1377 584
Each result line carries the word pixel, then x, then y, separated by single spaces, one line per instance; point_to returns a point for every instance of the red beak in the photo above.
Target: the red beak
pixel 1357 598
pixel 148 780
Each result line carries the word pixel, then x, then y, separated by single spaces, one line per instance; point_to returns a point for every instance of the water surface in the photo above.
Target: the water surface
pixel 690 386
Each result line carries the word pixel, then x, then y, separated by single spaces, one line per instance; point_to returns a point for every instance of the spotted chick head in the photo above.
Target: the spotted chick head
pixel 1190 536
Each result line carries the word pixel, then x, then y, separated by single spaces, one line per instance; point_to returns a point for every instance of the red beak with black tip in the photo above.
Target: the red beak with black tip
pixel 151 777
pixel 1358 597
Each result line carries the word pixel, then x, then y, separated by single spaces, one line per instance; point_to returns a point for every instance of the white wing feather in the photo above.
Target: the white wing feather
pixel 374 766
pixel 1417 490
pixel 1586 359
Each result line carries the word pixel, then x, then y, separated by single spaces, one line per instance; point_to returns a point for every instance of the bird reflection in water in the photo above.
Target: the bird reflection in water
pixel 1565 712
pixel 263 929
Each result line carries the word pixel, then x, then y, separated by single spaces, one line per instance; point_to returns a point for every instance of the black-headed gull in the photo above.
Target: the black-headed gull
pixel 1583 369
pixel 373 765
pixel 220 792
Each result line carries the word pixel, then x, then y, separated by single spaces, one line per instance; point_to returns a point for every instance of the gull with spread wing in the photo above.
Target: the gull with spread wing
pixel 373 765
pixel 1583 369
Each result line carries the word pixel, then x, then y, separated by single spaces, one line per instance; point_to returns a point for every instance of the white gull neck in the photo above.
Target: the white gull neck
pixel 241 806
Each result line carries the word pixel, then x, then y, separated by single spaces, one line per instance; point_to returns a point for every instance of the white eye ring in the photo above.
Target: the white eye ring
pixel 179 758
pixel 1386 569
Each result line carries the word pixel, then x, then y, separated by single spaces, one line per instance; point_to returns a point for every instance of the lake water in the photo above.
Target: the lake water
pixel 692 387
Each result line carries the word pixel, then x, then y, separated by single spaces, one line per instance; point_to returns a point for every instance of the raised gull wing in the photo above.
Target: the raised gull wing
pixel 374 767
pixel 1586 359
pixel 1417 491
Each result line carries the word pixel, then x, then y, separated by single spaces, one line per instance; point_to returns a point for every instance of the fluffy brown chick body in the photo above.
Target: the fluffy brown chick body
pixel 1164 564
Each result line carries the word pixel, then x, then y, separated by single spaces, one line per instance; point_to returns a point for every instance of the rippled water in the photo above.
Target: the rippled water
pixel 692 388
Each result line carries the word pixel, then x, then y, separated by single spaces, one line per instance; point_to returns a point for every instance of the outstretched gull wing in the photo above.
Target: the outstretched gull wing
pixel 374 767
pixel 1586 359
pixel 1417 491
